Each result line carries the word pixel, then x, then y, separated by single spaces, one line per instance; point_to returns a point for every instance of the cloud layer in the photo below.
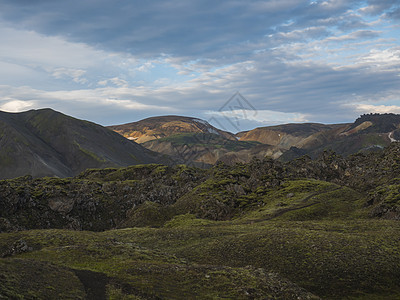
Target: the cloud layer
pixel 115 62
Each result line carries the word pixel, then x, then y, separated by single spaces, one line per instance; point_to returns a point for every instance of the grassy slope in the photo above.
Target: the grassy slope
pixel 328 248
pixel 208 140
pixel 191 258
pixel 132 269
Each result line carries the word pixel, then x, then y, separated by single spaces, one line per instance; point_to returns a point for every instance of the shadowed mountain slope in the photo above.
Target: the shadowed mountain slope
pixel 206 148
pixel 48 143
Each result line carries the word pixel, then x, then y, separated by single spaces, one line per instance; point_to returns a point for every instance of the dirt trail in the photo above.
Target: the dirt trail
pixel 94 284
pixel 390 136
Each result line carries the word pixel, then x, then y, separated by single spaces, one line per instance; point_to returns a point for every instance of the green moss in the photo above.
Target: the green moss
pixel 374 139
pixel 208 141
pixel 210 260
pixel 161 170
pixel 390 194
pixel 303 200
pixel 6 158
pixel 134 172
pixel 241 232
pixel 89 153
pixel 32 279
pixel 147 214
pixel 186 220
pixel 116 293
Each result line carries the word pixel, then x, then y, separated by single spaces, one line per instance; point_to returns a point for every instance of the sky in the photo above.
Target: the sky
pixel 237 64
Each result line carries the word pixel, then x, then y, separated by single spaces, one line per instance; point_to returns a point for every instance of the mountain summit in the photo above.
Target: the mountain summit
pixel 48 143
pixel 165 126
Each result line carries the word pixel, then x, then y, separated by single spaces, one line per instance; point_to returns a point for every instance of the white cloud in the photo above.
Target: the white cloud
pixel 37 50
pixel 377 7
pixel 386 57
pixel 18 99
pixel 356 35
pixel 16 106
pixel 294 60
pixel 75 74
pixel 266 117
pixel 303 34
pixel 146 67
pixel 114 81
pixel 382 109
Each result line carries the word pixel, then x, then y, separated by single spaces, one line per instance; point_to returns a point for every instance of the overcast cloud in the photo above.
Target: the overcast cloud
pixel 114 62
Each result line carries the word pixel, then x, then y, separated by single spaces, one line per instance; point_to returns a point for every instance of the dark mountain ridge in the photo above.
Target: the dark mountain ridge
pixel 48 143
pixel 381 122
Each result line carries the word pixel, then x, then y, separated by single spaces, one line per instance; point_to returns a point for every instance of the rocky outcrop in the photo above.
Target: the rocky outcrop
pixel 149 195
pixel 95 200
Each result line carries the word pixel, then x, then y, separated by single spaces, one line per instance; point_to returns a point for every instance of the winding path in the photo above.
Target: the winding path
pixel 391 138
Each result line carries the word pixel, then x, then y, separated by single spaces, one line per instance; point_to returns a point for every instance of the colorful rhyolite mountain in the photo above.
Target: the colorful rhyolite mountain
pixel 201 142
pixel 166 126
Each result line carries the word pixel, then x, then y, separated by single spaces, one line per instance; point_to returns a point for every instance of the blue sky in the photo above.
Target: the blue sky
pixel 114 62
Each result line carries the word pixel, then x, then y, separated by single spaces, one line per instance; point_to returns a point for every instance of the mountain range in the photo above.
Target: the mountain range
pixel 48 143
pixel 196 140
